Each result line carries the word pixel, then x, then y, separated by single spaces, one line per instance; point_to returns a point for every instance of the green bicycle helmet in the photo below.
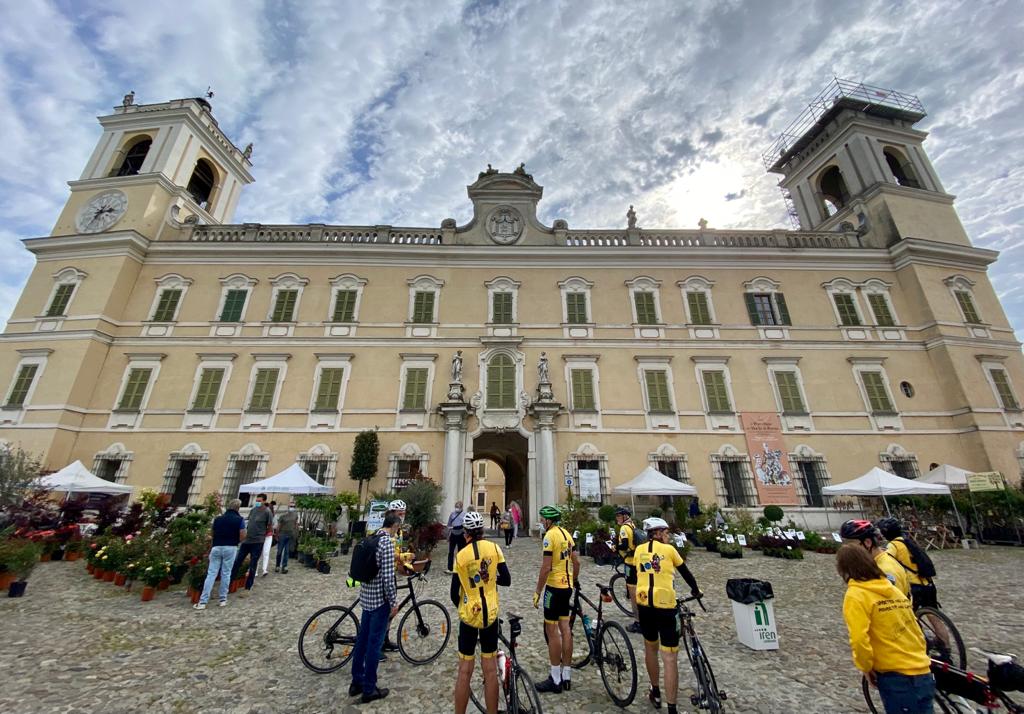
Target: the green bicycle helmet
pixel 551 513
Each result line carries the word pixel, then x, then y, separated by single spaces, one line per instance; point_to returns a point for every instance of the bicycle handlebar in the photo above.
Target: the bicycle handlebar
pixel 700 601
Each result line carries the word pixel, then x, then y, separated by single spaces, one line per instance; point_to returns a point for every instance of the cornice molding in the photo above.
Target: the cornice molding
pixel 910 251
pixel 114 243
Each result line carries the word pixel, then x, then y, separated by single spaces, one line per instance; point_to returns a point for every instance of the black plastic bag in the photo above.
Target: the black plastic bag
pixel 1008 676
pixel 748 590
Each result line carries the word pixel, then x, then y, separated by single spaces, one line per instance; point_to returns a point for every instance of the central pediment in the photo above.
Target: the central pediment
pixel 504 211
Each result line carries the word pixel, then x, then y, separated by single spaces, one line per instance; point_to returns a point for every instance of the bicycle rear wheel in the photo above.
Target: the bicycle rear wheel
pixel 941 637
pixel 522 695
pixel 617 662
pixel 582 646
pixel 424 631
pixel 476 689
pixel 620 594
pixel 328 638
pixel 708 696
pixel 874 701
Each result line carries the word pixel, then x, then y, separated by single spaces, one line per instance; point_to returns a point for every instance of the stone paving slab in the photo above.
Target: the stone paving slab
pixel 74 644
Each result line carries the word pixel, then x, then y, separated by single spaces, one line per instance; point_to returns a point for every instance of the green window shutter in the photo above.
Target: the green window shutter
pixel 576 308
pixel 263 390
pixel 501 383
pixel 880 307
pixel 657 391
pixel 583 389
pixel 234 303
pixel 60 301
pixel 781 309
pixel 846 308
pixel 878 396
pixel 330 389
pixel 284 306
pixel 415 389
pixel 700 313
pixel 645 312
pixel 1002 383
pixel 135 389
pixel 789 393
pixel 209 388
pixel 715 391
pixel 22 383
pixel 344 306
pixel 751 302
pixel 167 306
pixel 967 307
pixel 423 307
pixel 501 308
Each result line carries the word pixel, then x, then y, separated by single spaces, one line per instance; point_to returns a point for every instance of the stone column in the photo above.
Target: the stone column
pixel 455 412
pixel 544 410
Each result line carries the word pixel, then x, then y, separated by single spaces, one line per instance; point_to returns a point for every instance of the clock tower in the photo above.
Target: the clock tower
pixel 155 168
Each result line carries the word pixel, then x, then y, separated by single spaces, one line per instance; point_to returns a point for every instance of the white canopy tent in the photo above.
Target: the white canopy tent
pixel 877 482
pixel 75 478
pixel 292 480
pixel 951 476
pixel 651 482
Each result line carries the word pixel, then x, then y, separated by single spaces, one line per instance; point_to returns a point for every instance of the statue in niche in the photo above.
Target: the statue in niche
pixel 542 369
pixel 129 99
pixel 631 217
pixel 247 151
pixel 457 368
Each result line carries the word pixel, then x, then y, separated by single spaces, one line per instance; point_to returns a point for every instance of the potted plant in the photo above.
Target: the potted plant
pixel 323 552
pixel 197 578
pixel 730 550
pixel 21 557
pixel 152 572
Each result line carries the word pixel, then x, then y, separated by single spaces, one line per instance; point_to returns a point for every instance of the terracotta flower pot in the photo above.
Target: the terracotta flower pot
pixel 98 573
pixel 73 555
pixel 233 586
pixel 90 568
pixel 120 579
pixel 44 558
pixel 108 576
pixel 195 596
pixel 6 579
pixel 148 592
pixel 164 584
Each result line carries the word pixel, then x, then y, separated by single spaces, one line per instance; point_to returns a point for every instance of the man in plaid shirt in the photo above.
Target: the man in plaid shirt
pixel 379 599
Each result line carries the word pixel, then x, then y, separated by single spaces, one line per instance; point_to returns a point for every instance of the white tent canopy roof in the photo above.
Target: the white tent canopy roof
pixel 292 480
pixel 651 482
pixel 75 478
pixel 951 476
pixel 877 482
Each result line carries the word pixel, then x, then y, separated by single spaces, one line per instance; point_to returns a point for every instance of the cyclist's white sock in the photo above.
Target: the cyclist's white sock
pixel 556 673
pixel 565 673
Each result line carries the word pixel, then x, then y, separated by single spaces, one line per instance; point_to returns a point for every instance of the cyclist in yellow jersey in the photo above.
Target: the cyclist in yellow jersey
pixel 625 545
pixel 479 569
pixel 657 562
pixel 914 561
pixel 865 533
pixel 559 570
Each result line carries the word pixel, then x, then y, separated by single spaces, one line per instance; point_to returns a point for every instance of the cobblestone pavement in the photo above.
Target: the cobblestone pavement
pixel 74 644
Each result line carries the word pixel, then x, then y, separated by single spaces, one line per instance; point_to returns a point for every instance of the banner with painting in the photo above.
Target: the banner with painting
pixel 769 459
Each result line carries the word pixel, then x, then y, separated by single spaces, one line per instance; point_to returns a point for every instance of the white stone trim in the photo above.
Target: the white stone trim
pixel 588 452
pixel 506 417
pixel 320 453
pixel 410 451
pixel 667 452
pixel 880 422
pixel 259 419
pixel 132 419
pixel 502 284
pixel 1013 418
pixel 11 416
pixel 718 421
pixel 699 284
pixel 235 281
pixel 896 452
pixel 207 419
pixel 646 284
pixel 645 364
pixel 580 418
pixel 960 282
pixel 876 286
pixel 843 286
pixel 115 452
pixel 345 281
pixel 576 284
pixel 790 422
pixel 284 281
pixel 164 328
pixel 66 276
pixel 407 418
pixel 329 419
pixel 423 284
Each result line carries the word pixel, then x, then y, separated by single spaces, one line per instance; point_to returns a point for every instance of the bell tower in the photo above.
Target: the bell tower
pixel 854 157
pixel 157 166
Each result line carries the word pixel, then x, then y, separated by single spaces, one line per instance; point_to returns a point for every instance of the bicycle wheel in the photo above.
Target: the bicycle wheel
pixel 582 646
pixel 941 637
pixel 328 638
pixel 708 695
pixel 522 695
pixel 874 701
pixel 424 631
pixel 476 690
pixel 617 662
pixel 620 594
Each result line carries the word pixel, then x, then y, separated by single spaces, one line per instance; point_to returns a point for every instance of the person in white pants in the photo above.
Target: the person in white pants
pixel 269 540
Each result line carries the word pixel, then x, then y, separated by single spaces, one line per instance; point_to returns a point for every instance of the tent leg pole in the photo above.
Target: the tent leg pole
pixel 886 502
pixel 956 512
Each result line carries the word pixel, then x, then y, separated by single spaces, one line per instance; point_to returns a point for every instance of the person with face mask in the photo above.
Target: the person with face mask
pixel 256 528
pixel 287 532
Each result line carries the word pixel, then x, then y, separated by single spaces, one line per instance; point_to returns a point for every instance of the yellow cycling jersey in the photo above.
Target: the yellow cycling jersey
pixel 559 544
pixel 898 550
pixel 894 572
pixel 884 636
pixel 656 564
pixel 477 568
pixel 626 531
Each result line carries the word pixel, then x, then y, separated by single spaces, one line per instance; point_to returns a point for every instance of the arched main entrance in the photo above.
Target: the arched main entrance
pixel 511 451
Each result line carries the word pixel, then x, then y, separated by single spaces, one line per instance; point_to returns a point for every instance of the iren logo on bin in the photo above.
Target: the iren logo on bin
pixel 761 615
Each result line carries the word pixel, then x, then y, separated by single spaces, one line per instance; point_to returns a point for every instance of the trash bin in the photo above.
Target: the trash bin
pixel 753 612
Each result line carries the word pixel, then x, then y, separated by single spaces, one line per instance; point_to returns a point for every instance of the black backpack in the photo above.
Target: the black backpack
pixel 925 566
pixel 364 566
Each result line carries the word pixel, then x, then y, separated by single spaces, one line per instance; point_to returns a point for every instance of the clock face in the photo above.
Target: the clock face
pixel 102 211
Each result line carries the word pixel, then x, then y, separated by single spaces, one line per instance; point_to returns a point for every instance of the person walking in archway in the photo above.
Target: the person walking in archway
pixel 495 514
pixel 517 518
pixel 455 534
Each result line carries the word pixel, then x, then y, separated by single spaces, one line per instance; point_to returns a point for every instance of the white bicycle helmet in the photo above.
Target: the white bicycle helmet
pixel 397 505
pixel 472 520
pixel 653 524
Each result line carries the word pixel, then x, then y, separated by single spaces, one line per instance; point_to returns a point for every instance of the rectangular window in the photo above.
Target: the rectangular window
pixel 789 393
pixel 736 491
pixel 317 469
pixel 904 468
pixel 344 306
pixel 135 389
pixel 167 306
pixel 481 500
pixel 700 313
pixel 1002 383
pixel 878 395
pixel 810 473
pixel 767 309
pixel 583 389
pixel 406 471
pixel 670 469
pixel 234 303
pixel 209 388
pixel 846 308
pixel 501 308
pixel 715 391
pixel 415 389
pixel 967 307
pixel 645 313
pixel 329 390
pixel 22 384
pixel 60 301
pixel 501 383
pixel 576 308
pixel 423 307
pixel 880 306
pixel 263 390
pixel 657 391
pixel 284 306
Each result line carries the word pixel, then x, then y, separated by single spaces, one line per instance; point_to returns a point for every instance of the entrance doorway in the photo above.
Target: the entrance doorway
pixel 183 481
pixel 503 459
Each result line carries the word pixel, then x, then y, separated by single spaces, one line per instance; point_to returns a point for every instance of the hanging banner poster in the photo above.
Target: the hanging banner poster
pixel 590 485
pixel 768 458
pixel 375 516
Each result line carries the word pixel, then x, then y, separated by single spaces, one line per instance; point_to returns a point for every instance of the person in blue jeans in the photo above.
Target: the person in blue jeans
pixel 379 598
pixel 228 532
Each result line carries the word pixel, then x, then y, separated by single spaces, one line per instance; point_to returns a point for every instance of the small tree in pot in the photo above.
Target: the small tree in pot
pixel 20 557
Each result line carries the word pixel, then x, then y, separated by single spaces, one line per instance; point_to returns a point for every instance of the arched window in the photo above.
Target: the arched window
pixel 901 169
pixel 201 183
pixel 833 190
pixel 134 157
pixel 501 382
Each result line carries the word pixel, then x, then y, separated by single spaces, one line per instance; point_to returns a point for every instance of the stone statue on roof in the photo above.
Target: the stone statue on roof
pixel 247 151
pixel 129 99
pixel 521 171
pixel 631 217
pixel 488 172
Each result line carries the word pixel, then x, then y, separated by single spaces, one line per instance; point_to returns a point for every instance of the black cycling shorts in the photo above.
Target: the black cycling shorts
pixel 469 635
pixel 660 624
pixel 630 572
pixel 924 596
pixel 557 603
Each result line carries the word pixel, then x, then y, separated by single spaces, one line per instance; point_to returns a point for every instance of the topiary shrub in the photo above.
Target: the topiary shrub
pixel 773 513
pixel 606 513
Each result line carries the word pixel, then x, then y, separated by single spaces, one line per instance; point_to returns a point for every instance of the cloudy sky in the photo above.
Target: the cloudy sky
pixel 374 112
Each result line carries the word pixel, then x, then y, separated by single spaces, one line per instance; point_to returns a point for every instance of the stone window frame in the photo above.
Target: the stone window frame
pixel 961 283
pixel 320 453
pixel 1020 459
pixel 31 356
pixel 646 284
pixel 206 418
pixel 346 281
pixel 717 420
pixel 790 421
pixel 235 281
pixel 577 285
pixel 131 418
pixel 699 284
pixel 115 452
pixel 843 286
pixel 502 284
pixel 170 281
pixel 583 417
pixel 249 452
pixel 667 452
pixel 329 418
pixel 286 281
pixel 424 284
pixel 658 420
pixel 264 360
pixel 763 285
pixel 729 453
pixel 588 452
pixel 1014 417
pixel 415 418
pixel 190 452
pixel 66 276
pixel 875 286
pixel 880 421
pixel 409 451
pixel 804 453
pixel 895 452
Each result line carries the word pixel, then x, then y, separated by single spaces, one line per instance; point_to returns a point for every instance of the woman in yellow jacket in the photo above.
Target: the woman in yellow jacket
pixel 887 643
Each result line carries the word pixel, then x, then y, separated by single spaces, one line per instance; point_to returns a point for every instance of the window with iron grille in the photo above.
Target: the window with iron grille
pixel 846 308
pixel 599 465
pixel 966 302
pixel 789 392
pixel 344 306
pixel 329 389
pixel 583 390
pixel 263 389
pixel 406 471
pixel 167 306
pixel 1003 389
pixel 501 308
pixel 658 398
pixel 22 385
pixel 415 397
pixel 811 476
pixel 700 311
pixel 715 392
pixel 645 310
pixel 134 389
pixel 904 467
pixel 576 308
pixel 319 469
pixel 423 307
pixel 501 382
pixel 61 298
pixel 284 306
pixel 734 483
pixel 242 470
pixel 878 394
pixel 234 304
pixel 880 307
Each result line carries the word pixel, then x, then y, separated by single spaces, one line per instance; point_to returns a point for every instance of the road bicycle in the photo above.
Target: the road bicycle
pixel 708 695
pixel 607 644
pixel 515 687
pixel 620 593
pixel 329 636
pixel 941 637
